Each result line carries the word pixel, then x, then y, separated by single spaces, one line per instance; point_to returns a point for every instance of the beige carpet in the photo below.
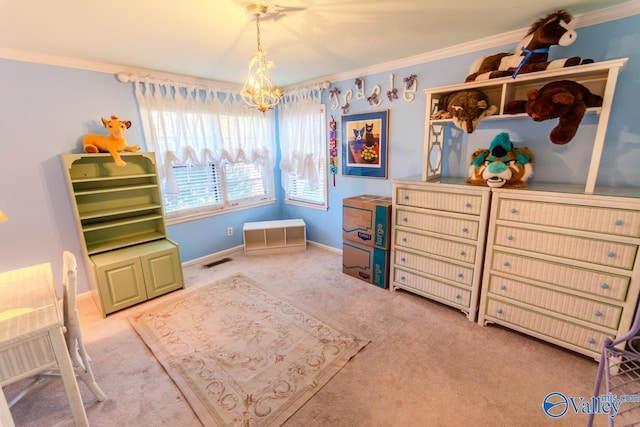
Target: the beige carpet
pixel 241 356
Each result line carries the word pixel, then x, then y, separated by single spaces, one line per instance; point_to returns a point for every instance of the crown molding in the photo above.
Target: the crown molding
pixel 612 13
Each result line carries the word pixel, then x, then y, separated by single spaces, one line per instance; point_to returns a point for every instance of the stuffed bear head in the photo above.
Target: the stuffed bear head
pixel 501 165
pixel 563 99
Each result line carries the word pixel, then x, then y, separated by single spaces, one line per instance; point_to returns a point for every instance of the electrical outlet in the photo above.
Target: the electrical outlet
pixel 229 231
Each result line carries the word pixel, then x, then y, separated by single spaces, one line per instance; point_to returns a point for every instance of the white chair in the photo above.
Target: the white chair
pixel 79 358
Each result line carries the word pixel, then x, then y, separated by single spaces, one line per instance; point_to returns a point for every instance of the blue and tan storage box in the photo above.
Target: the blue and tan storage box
pixel 366 263
pixel 366 220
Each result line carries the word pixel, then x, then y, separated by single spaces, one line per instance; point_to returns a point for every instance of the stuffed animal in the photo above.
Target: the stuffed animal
pixel 563 99
pixel 501 165
pixel 112 143
pixel 466 107
pixel 532 53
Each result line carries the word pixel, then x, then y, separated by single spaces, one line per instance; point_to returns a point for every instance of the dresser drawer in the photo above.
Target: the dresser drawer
pixel 432 287
pixel 581 308
pixel 438 200
pixel 590 281
pixel 434 267
pixel 612 254
pixel 464 228
pixel 435 245
pixel 548 326
pixel 619 222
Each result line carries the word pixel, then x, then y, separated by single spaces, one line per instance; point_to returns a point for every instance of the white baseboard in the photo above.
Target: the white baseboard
pixel 213 257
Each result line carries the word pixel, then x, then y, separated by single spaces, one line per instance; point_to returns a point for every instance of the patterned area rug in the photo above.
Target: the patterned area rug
pixel 241 356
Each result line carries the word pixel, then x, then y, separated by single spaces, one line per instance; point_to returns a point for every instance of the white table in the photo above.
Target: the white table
pixel 32 335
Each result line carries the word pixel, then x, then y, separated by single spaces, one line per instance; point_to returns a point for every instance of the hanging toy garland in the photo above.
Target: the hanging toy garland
pixel 333 149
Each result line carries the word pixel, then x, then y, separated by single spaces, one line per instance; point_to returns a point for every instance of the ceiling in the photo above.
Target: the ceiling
pixel 306 39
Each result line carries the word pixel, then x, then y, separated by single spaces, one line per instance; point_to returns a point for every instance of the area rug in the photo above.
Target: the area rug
pixel 241 356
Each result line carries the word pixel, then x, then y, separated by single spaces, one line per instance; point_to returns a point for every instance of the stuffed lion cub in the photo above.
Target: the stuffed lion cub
pixel 502 165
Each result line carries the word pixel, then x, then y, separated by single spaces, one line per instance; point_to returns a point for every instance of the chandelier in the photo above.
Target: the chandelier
pixel 258 91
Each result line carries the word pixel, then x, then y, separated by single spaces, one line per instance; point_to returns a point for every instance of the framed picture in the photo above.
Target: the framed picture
pixel 365 142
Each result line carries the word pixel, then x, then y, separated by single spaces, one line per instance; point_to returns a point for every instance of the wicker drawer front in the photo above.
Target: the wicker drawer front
pixel 547 326
pixel 619 222
pixel 602 252
pixel 437 200
pixel 13 361
pixel 590 281
pixel 432 287
pixel 580 308
pixel 440 224
pixel 434 267
pixel 434 245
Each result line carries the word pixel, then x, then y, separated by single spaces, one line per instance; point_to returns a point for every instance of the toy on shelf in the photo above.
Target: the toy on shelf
pixel 466 107
pixel 563 99
pixel 112 143
pixel 532 53
pixel 501 165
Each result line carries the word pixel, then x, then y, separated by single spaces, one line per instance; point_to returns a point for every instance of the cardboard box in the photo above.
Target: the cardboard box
pixel 366 220
pixel 366 263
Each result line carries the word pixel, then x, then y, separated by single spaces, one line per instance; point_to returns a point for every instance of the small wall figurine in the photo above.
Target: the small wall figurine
pixel 502 165
pixel 112 143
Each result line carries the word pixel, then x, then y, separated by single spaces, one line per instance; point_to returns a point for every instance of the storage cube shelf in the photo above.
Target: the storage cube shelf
pixel 277 236
pixel 120 216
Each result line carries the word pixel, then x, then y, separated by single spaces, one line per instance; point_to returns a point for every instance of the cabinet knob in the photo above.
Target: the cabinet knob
pixel 402 278
pixel 467 205
pixel 406 197
pixel 618 222
pixel 465 230
pixel 404 239
pixel 514 210
pixel 592 341
pixel 463 253
pixel 506 264
pixel 460 275
pixel 499 311
pixel 503 287
pixel 509 237
pixel 604 286
pixel 597 314
pixel 458 296
pixel 405 219
pixel 611 254
pixel 403 259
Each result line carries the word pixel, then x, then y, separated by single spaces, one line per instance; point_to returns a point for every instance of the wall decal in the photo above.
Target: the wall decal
pixel 333 95
pixel 392 93
pixel 347 97
pixel 360 85
pixel 410 87
pixel 373 98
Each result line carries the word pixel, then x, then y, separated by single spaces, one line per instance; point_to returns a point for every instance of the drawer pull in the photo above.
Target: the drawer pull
pixel 605 286
pixel 465 230
pixel 406 197
pixel 611 254
pixel 467 205
pixel 514 210
pixel 506 264
pixel 402 278
pixel 463 253
pixel 503 287
pixel 404 239
pixel 405 219
pixel 403 259
pixel 592 341
pixel 499 311
pixel 597 314
pixel 460 275
pixel 618 222
pixel 458 296
pixel 509 237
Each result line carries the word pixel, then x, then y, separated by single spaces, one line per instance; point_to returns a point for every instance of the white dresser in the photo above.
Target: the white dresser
pixel 438 242
pixel 562 267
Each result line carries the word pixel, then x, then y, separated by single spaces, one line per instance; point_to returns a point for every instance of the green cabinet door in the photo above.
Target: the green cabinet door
pixel 121 284
pixel 162 272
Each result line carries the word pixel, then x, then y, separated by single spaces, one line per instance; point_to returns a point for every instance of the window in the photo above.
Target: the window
pixel 213 153
pixel 303 146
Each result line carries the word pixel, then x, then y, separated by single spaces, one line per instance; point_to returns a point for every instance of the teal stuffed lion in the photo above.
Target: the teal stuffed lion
pixel 501 165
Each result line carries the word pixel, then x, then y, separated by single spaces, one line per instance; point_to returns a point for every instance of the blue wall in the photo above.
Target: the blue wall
pixel 44 111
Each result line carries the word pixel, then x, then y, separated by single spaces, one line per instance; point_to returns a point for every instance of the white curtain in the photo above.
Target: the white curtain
pixel 188 123
pixel 302 143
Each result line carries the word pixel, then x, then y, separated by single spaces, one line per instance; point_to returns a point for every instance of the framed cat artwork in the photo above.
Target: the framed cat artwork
pixel 365 140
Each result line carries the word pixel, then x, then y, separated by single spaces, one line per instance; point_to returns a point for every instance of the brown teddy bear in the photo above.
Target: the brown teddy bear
pixel 563 99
